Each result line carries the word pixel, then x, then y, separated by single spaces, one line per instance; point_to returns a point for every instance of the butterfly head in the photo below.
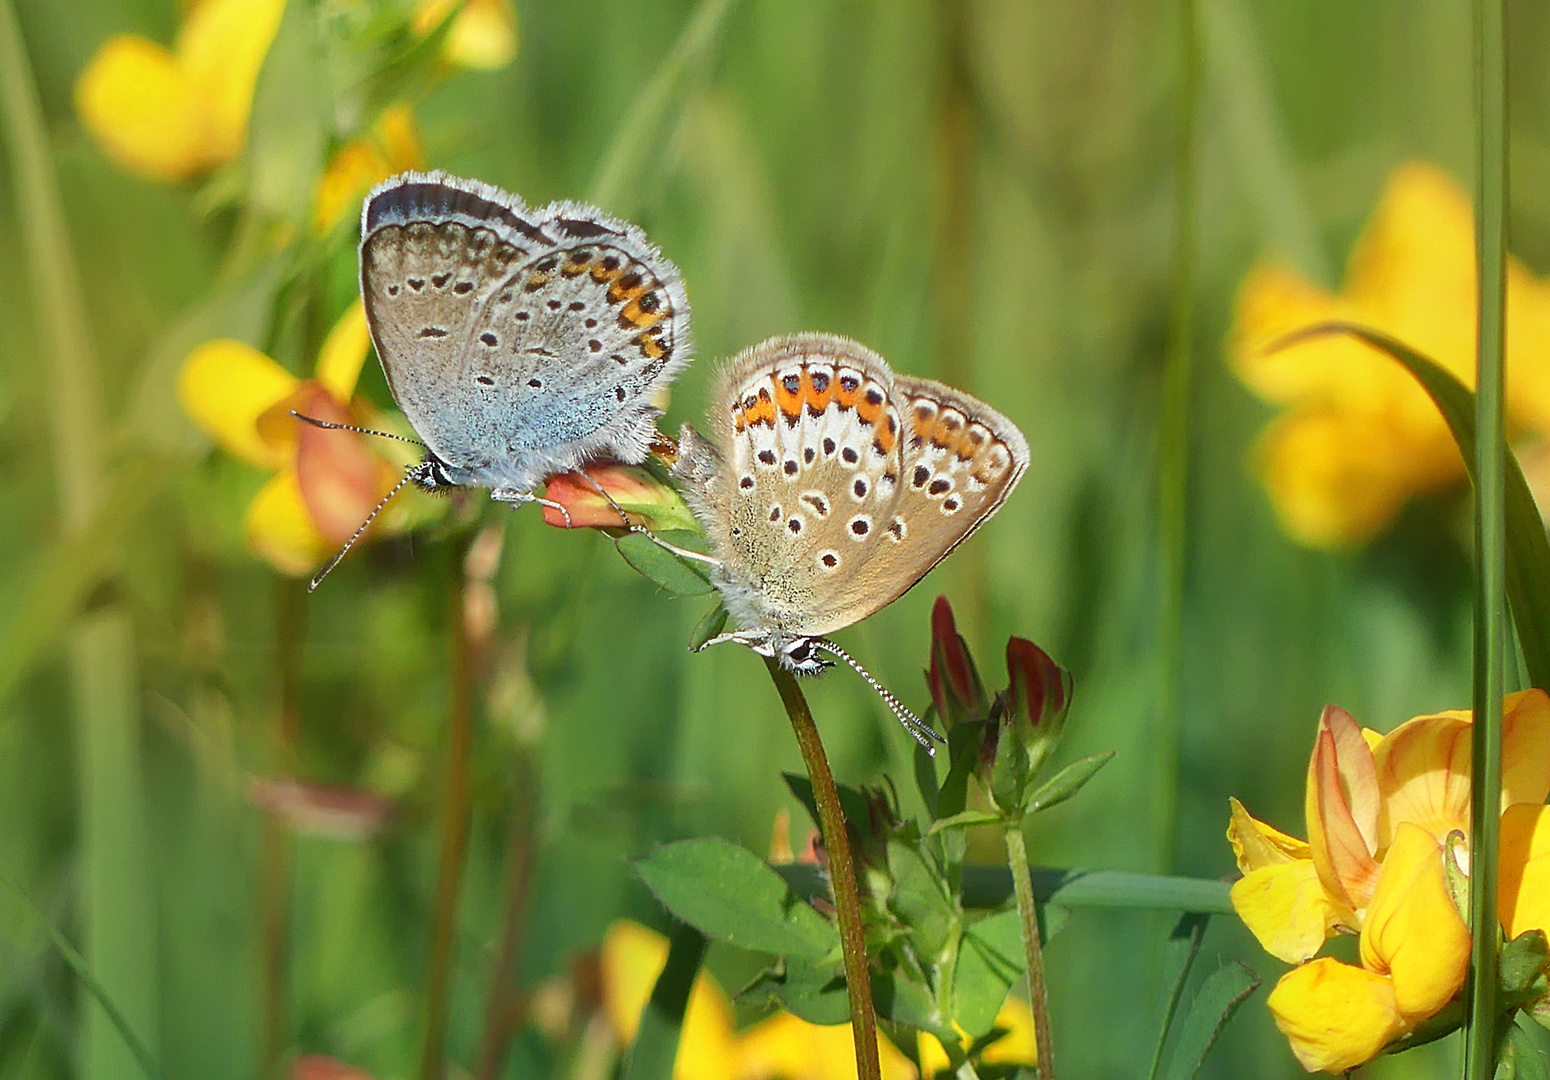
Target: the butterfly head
pixel 431 475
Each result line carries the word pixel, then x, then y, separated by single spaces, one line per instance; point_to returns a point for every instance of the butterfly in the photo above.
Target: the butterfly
pixel 830 485
pixel 518 343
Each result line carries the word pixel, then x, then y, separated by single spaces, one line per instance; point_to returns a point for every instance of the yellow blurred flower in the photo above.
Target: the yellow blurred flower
pixel 172 113
pixel 391 146
pixel 325 482
pixel 780 1047
pixel 1359 436
pixel 1017 1047
pixel 483 35
pixel 1387 816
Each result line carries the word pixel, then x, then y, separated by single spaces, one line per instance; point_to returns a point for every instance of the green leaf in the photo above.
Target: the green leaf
pixel 925 773
pixel 288 134
pixel 852 803
pixel 964 820
pixel 921 899
pixel 1219 997
pixel 1521 970
pixel 990 959
pixel 1066 783
pixel 1179 954
pixel 1528 550
pixel 679 576
pixel 728 892
pixel 954 794
pixel 812 990
pixel 1527 1050
pixel 902 999
pixel 712 624
pixel 661 1023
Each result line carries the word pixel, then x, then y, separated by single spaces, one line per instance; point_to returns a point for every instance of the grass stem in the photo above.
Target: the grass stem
pixel 842 871
pixel 1038 992
pixel 503 1012
pixel 1173 464
pixel 456 810
pixel 1491 201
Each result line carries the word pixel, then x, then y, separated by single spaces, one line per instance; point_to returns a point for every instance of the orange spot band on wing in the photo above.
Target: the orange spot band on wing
pixel 789 400
pixel 869 412
pixel 815 399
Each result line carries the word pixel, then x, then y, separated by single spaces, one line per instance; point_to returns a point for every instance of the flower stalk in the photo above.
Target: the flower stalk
pixel 842 871
pixel 1038 992
pixel 1490 532
pixel 456 810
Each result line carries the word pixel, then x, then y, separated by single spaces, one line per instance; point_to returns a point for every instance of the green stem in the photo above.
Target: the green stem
pixel 117 897
pixel 842 872
pixel 454 841
pixel 1490 533
pixel 1038 992
pixel 504 1009
pixel 1173 466
pixel 274 865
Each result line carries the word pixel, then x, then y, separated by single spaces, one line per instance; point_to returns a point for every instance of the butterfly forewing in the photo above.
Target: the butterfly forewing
pixel 517 342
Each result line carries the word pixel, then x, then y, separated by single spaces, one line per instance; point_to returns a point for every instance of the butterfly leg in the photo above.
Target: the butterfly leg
pixel 682 553
pixel 517 498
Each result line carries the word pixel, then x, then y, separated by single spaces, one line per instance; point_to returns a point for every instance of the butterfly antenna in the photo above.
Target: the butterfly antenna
pixel 923 734
pixel 317 578
pixel 327 425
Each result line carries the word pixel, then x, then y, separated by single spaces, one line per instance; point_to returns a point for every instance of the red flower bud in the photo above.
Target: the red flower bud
pixel 955 686
pixel 643 499
pixel 1041 688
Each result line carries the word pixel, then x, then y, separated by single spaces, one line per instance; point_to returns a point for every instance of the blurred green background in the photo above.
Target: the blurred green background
pixel 983 191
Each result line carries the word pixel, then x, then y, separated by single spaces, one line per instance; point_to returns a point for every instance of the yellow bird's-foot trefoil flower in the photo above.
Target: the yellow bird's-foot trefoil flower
pixel 391 146
pixel 325 483
pixel 1359 436
pixel 779 1047
pixel 1388 841
pixel 169 114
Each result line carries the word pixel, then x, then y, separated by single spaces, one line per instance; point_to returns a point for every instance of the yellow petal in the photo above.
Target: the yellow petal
pixel 221 48
pixel 279 529
pixel 225 386
pixel 1342 809
pixel 1414 266
pixel 1018 1046
pixel 786 1047
pixel 1423 769
pixel 633 957
pixel 1524 896
pixel 1275 301
pixel 343 353
pixel 1413 931
pixel 1338 478
pixel 483 35
pixel 392 146
pixel 137 103
pixel 1287 908
pixel 1256 844
pixel 1335 1016
pixel 1525 747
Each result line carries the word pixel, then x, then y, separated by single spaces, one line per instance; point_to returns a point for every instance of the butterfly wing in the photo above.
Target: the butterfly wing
pixel 813 497
pixel 519 343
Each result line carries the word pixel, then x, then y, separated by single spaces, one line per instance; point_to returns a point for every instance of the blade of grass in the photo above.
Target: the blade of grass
pixel 990 887
pixel 655 1049
pixel 1491 199
pixel 1180 952
pixel 1528 549
pixel 622 165
pixel 64 576
pixel 82 970
pixel 1173 462
pixel 116 893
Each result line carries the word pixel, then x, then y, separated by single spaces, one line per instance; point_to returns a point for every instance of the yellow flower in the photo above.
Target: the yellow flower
pixel 392 146
pixel 171 113
pixel 1380 812
pixel 325 482
pixel 1359 436
pixel 1017 1047
pixel 780 1047
pixel 483 35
